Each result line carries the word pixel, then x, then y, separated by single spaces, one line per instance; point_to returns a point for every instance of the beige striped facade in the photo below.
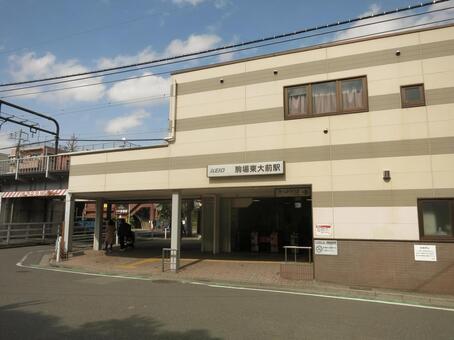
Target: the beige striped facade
pixel 242 120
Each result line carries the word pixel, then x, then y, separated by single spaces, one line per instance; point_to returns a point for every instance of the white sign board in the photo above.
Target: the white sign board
pixel 325 247
pixel 425 252
pixel 246 169
pixel 323 230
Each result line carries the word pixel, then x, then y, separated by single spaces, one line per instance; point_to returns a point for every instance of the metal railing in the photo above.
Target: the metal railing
pixel 34 164
pixel 17 233
pixel 107 146
pixel 295 251
pixel 173 253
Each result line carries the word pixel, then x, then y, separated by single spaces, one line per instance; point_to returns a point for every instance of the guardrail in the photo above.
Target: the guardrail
pixel 34 164
pixel 28 232
pixel 295 251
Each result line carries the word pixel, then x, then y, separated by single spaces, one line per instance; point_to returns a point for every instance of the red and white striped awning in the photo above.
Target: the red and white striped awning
pixel 35 193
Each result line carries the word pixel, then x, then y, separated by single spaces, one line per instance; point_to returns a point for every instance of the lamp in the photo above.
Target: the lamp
pixel 386 175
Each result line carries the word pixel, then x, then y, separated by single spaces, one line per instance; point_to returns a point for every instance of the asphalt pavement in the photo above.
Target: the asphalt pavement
pixel 40 304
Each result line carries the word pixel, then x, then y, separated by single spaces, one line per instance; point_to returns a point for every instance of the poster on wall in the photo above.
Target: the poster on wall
pixel 323 230
pixel 425 252
pixel 325 247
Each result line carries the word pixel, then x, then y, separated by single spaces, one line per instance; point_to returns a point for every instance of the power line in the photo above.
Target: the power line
pixel 94 29
pixel 232 51
pixel 114 104
pixel 251 42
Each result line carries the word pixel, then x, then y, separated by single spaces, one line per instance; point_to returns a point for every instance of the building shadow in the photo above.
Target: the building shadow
pixel 17 323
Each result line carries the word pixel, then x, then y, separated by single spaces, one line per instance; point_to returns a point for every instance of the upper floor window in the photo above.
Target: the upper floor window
pixel 325 98
pixel 436 218
pixel 412 95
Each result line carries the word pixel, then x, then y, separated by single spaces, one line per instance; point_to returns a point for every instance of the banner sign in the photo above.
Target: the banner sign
pixel 246 169
pixel 35 193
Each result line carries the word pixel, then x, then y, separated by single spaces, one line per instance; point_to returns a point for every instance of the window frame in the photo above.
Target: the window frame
pixel 422 236
pixel 403 98
pixel 339 102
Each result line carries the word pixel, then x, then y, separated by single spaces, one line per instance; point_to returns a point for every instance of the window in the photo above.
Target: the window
pixel 436 218
pixel 326 98
pixel 412 95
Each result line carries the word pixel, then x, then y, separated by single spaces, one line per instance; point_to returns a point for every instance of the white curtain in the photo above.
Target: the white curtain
pixel 324 101
pixel 297 104
pixel 352 98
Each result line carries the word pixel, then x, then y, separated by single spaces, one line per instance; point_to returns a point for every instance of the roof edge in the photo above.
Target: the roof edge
pixel 311 48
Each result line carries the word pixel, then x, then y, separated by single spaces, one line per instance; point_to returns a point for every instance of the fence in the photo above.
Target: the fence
pixel 22 233
pixel 34 164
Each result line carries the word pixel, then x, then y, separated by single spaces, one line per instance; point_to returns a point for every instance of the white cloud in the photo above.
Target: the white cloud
pixel 395 24
pixel 30 66
pixel 193 44
pixel 188 2
pixel 152 85
pixel 219 4
pixel 144 55
pixel 5 142
pixel 138 88
pixel 127 122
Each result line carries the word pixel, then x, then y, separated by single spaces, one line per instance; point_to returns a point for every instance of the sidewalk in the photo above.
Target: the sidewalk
pixel 238 272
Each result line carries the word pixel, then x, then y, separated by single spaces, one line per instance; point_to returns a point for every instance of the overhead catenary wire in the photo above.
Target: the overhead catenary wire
pixel 231 46
pixel 238 50
pixel 216 54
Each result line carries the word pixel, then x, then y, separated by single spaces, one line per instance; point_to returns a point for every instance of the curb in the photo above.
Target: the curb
pixel 372 295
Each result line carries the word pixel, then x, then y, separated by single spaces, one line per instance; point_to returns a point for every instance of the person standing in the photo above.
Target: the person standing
pixel 110 236
pixel 122 233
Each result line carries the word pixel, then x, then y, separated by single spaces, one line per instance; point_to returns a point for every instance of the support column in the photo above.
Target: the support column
pixel 97 239
pixel 1 208
pixel 216 213
pixel 175 238
pixel 69 222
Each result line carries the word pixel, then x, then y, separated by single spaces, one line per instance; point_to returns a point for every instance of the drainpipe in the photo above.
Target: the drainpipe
pixel 173 113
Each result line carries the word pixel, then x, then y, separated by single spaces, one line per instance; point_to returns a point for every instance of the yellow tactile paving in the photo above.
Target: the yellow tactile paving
pixel 152 260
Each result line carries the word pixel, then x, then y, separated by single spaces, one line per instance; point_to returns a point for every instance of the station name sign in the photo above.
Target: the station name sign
pixel 246 169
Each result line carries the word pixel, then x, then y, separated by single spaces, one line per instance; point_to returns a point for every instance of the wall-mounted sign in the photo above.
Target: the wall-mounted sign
pixel 323 230
pixel 293 192
pixel 425 252
pixel 325 247
pixel 246 169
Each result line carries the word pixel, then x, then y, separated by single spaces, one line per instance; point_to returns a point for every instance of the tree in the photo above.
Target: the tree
pixel 72 144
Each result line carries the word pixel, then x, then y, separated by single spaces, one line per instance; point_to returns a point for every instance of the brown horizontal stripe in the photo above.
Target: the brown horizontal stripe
pixel 400 148
pixel 368 59
pixel 274 114
pixel 375 198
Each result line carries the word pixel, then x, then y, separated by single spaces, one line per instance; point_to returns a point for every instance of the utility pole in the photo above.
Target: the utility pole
pixel 21 132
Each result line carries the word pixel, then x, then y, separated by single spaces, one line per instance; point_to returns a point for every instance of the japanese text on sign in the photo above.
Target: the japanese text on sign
pixel 246 169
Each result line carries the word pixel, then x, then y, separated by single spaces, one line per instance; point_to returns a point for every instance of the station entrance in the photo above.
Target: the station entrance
pixel 269 224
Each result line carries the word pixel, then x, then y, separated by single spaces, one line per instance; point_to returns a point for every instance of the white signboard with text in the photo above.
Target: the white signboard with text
pixel 323 230
pixel 425 252
pixel 246 169
pixel 325 247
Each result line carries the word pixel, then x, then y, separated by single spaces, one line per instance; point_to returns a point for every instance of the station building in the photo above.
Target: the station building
pixel 347 148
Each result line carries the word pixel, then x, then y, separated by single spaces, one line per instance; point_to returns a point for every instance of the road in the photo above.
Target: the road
pixel 37 304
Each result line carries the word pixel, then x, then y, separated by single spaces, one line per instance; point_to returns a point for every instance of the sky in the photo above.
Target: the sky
pixel 45 38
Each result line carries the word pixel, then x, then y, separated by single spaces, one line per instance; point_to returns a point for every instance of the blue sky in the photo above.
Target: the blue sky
pixel 48 38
